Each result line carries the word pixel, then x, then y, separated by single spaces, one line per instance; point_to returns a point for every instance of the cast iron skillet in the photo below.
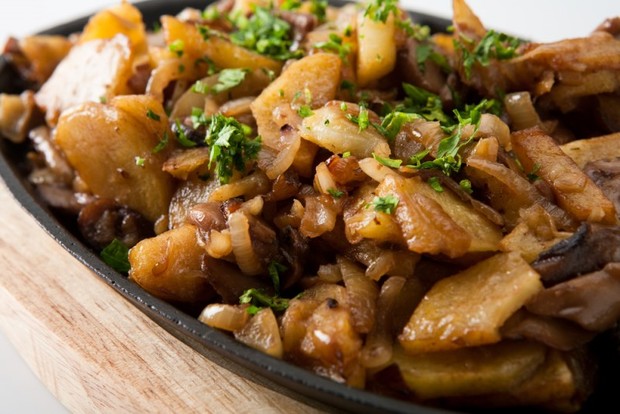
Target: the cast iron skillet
pixel 215 345
pixel 281 376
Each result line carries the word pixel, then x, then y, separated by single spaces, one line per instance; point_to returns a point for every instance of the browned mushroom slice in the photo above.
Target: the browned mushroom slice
pixel 590 248
pixel 590 300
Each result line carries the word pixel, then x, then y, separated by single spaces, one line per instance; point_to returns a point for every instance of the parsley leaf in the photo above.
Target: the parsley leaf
pixel 177 47
pixel 227 79
pixel 380 10
pixel 182 136
pixel 424 103
pixel 139 161
pixel 388 162
pixel 466 186
pixel 334 192
pixel 152 115
pixel 305 111
pixel 361 119
pixel 265 33
pixel 163 143
pixel 448 159
pixel 335 44
pixel 385 204
pixel 435 184
pixel 230 146
pixel 275 269
pixel 393 122
pixel 116 255
pixel 259 299
pixel 493 45
pixel 319 9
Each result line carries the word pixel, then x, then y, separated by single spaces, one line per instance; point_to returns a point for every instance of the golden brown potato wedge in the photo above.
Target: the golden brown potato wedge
pixel 472 371
pixel 376 56
pixel 297 85
pixel 438 222
pixel 575 192
pixel 468 309
pixel 169 266
pixel 93 71
pixel 111 148
pixel 583 151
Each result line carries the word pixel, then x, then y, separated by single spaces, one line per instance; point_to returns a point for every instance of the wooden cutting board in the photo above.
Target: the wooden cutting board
pixel 93 349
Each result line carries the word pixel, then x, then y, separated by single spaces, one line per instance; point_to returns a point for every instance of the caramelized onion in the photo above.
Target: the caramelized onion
pixel 242 244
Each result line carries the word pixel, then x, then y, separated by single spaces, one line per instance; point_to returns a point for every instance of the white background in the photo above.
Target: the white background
pixel 539 20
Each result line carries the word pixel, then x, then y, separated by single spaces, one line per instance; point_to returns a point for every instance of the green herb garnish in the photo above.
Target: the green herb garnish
pixel 493 45
pixel 230 146
pixel 259 299
pixel 152 115
pixel 334 192
pixel 177 47
pixel 435 184
pixel 227 79
pixel 361 119
pixel 116 255
pixel 385 204
pixel 380 10
pixel 388 162
pixel 265 33
pixel 335 44
pixel 161 144
pixel 181 136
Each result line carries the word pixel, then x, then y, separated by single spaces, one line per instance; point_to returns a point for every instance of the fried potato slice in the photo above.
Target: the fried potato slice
pixel 468 309
pixel 583 151
pixel 481 370
pixel 111 148
pixel 575 191
pixel 298 85
pixel 169 266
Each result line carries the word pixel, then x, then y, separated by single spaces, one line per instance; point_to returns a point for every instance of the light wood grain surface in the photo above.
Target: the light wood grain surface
pixel 93 349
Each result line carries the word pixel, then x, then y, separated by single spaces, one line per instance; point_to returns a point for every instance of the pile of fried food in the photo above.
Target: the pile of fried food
pixel 430 216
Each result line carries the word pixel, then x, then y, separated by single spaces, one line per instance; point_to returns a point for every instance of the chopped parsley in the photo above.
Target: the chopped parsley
pixel 388 162
pixel 181 136
pixel 163 143
pixel 152 115
pixel 275 269
pixel 416 31
pixel 533 175
pixel 265 33
pixel 380 10
pixel 361 119
pixel 259 299
pixel 230 146
pixel 426 52
pixel 448 159
pixel 319 9
pixel 393 122
pixel 290 4
pixel 435 184
pixel 227 79
pixel 116 255
pixel 335 44
pixel 334 192
pixel 385 204
pixel 466 186
pixel 346 154
pixel 211 13
pixel 493 45
pixel 424 103
pixel 177 47
pixel 139 161
pixel 305 111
